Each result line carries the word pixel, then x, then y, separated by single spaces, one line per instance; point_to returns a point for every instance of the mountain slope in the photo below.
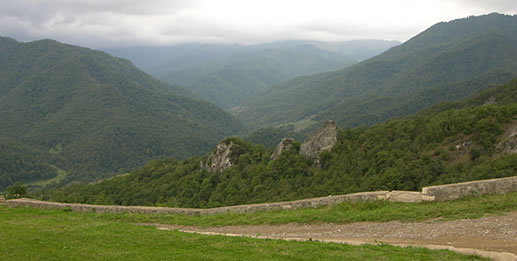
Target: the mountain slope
pixel 446 58
pixel 100 113
pixel 448 143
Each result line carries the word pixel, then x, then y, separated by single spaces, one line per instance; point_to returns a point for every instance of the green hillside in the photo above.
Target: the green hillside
pixel 98 114
pixel 446 62
pixel 237 79
pixel 450 142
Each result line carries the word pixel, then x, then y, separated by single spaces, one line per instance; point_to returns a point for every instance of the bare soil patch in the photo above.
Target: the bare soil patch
pixel 491 233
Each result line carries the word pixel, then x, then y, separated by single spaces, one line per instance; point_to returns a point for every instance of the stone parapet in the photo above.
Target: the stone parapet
pixel 312 202
pixel 471 188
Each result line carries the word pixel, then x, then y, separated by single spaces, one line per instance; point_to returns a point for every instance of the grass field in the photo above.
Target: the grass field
pixel 35 234
pixel 379 211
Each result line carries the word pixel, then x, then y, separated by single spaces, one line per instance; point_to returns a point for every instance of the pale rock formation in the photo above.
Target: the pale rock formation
pixel 323 139
pixel 490 100
pixel 223 157
pixel 285 144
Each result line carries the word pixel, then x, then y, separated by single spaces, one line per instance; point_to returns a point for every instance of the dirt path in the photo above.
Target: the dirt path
pixel 493 233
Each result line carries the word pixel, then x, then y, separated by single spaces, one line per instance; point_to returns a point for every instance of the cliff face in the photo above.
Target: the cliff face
pixel 323 139
pixel 285 144
pixel 223 157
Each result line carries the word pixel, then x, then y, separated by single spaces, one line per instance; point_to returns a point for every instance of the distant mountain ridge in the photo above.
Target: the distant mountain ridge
pixel 99 114
pixel 232 75
pixel 160 59
pixel 442 61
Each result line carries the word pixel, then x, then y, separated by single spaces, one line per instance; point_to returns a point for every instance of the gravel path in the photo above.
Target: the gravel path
pixel 492 233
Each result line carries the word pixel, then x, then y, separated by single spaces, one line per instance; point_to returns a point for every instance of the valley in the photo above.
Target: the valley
pixel 232 76
pixel 276 129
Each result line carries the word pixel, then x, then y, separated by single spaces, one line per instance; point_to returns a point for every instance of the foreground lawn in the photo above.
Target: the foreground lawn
pixel 35 234
pixel 379 211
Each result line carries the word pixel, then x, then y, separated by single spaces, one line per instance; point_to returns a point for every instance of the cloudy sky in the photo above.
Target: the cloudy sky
pixel 110 23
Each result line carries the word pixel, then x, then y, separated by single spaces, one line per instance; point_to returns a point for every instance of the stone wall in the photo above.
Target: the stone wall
pixel 442 192
pixel 313 202
pixel 471 188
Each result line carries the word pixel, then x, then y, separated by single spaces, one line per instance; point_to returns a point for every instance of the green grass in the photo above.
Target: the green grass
pixel 347 212
pixel 35 234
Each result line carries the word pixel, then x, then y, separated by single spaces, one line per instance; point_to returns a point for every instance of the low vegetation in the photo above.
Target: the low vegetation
pixel 34 234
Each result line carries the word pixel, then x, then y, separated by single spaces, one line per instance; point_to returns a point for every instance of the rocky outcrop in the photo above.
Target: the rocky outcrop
pixel 223 157
pixel 490 100
pixel 285 144
pixel 509 141
pixel 323 139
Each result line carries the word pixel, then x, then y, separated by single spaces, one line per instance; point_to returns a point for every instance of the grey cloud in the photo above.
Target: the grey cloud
pixel 502 6
pixel 103 23
pixel 133 7
pixel 38 13
pixel 78 20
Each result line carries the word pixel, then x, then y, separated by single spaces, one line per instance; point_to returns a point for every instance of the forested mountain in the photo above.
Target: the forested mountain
pixel 446 62
pixel 98 114
pixel 450 142
pixel 231 75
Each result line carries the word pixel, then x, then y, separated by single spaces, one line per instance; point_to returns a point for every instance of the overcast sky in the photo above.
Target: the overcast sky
pixel 111 23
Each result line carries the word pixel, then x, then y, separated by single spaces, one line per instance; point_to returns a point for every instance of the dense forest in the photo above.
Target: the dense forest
pixel 450 142
pixel 19 162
